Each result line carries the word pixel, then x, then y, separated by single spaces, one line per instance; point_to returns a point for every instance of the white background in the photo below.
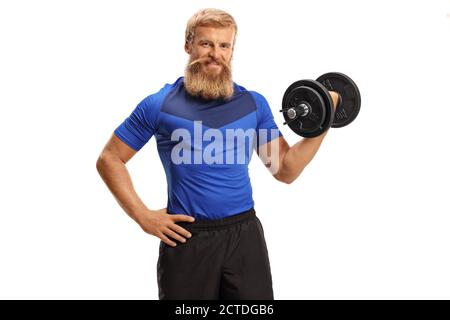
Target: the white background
pixel 368 219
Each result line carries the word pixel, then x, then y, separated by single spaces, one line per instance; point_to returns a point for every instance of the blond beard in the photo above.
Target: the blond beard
pixel 208 86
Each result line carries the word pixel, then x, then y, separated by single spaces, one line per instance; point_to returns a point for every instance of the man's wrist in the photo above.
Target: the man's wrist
pixel 137 214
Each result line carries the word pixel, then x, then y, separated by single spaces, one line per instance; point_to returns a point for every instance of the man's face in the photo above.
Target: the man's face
pixel 208 73
pixel 213 43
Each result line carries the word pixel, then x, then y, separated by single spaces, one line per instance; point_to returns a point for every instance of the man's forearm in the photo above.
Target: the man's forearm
pixel 298 157
pixel 115 174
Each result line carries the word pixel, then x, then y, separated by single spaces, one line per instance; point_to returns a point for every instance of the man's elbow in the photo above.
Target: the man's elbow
pixel 284 178
pixel 102 162
pixel 286 181
pixel 99 165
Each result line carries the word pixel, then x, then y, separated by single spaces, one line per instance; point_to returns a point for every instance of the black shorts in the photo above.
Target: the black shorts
pixel 224 259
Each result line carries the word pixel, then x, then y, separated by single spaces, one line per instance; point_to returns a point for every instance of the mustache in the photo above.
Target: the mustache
pixel 205 85
pixel 206 59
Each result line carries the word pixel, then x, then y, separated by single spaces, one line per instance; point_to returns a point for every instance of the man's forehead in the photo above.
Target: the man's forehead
pixel 223 33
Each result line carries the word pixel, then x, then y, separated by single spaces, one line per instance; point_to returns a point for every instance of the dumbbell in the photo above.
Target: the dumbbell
pixel 308 108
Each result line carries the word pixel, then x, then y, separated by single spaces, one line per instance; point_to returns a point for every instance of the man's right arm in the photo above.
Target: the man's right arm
pixel 112 169
pixel 111 166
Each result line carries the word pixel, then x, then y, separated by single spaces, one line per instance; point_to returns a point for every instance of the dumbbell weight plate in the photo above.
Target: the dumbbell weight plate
pixel 308 123
pixel 317 97
pixel 348 109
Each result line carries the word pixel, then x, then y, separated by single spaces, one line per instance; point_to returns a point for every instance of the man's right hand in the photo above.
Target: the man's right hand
pixel 163 225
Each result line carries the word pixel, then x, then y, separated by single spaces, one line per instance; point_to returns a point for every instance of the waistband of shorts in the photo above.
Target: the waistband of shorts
pixel 220 223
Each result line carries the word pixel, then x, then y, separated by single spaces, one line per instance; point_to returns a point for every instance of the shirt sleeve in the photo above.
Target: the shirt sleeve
pixel 141 125
pixel 266 128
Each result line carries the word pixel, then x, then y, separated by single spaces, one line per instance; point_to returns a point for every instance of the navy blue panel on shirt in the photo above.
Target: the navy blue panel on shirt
pixel 214 114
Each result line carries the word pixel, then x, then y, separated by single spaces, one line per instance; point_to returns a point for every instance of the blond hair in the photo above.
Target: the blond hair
pixel 209 18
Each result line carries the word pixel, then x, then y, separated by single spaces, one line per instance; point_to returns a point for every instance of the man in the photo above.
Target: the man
pixel 212 244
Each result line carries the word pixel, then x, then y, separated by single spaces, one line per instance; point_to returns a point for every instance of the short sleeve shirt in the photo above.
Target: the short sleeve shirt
pixel 205 146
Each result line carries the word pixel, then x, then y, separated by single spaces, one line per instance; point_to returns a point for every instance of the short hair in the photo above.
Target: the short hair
pixel 209 18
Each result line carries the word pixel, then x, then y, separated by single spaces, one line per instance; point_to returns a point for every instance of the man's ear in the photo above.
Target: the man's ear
pixel 187 47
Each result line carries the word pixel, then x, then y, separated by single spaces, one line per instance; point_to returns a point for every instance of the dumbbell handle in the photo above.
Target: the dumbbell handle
pixel 336 97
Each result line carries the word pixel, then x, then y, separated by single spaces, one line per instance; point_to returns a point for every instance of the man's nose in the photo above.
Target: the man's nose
pixel 213 53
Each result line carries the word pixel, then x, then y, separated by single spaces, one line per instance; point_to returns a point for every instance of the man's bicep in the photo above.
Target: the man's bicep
pixel 117 148
pixel 272 153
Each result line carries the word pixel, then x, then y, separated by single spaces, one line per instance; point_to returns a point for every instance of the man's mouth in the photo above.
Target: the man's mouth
pixel 213 63
pixel 213 66
pixel 209 65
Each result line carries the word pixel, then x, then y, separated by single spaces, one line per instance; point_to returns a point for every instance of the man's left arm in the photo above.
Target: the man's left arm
pixel 285 162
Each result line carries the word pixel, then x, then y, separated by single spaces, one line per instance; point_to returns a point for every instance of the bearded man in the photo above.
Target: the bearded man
pixel 212 243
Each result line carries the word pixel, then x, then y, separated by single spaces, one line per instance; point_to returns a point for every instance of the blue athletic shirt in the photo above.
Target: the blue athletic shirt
pixel 205 146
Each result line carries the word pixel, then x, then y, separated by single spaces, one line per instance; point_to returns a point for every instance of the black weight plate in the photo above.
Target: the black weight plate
pixel 325 123
pixel 305 125
pixel 350 104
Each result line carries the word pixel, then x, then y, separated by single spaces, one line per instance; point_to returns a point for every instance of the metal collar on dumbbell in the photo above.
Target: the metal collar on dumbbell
pixel 302 110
